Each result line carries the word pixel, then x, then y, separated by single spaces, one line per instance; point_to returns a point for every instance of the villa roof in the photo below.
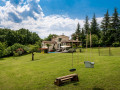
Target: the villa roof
pixel 50 42
pixel 68 41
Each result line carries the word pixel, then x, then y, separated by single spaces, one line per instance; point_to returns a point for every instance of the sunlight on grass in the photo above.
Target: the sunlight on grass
pixel 18 73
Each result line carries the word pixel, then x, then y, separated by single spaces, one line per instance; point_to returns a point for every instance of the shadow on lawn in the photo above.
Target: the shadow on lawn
pixel 74 83
pixel 96 88
pixel 2 59
pixel 35 59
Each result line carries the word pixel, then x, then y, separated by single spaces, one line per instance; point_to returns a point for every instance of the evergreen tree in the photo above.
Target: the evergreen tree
pixel 83 37
pixel 78 29
pixel 115 27
pixel 87 26
pixel 77 33
pixel 94 26
pixel 105 26
pixel 115 22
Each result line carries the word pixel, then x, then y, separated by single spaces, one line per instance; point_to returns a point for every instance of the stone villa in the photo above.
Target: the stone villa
pixel 59 41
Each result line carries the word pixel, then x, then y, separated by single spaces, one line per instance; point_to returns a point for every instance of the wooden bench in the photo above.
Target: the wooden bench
pixel 60 80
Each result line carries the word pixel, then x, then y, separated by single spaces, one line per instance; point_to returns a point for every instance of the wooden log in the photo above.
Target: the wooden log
pixel 63 79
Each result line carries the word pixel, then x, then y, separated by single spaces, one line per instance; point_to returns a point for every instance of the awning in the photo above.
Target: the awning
pixel 65 46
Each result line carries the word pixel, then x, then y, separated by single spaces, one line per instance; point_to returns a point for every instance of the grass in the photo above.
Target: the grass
pixel 18 73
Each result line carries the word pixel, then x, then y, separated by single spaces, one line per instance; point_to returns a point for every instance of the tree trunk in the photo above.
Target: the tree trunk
pixel 32 56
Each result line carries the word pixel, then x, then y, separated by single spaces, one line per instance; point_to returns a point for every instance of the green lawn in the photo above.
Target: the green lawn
pixel 17 73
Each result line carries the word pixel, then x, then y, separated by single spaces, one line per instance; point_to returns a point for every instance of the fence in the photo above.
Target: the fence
pixel 109 51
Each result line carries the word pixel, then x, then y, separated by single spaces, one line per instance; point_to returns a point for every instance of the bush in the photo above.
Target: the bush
pixel 2 48
pixel 79 46
pixel 116 44
pixel 72 50
pixel 20 51
pixel 18 48
pixel 15 54
pixel 8 52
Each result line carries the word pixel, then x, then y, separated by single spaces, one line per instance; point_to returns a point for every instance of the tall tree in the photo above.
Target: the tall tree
pixel 11 38
pixel 105 26
pixel 87 25
pixel 94 26
pixel 115 26
pixel 115 22
pixel 49 38
pixel 77 33
pixel 83 37
pixel 78 29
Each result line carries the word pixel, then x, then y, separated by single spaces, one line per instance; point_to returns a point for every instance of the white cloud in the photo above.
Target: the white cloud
pixel 99 20
pixel 37 0
pixel 43 25
pixel 22 8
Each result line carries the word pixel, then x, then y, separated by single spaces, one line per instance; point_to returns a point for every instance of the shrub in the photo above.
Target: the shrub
pixel 20 51
pixel 8 51
pixel 2 48
pixel 16 47
pixel 15 54
pixel 79 46
pixel 72 50
pixel 116 44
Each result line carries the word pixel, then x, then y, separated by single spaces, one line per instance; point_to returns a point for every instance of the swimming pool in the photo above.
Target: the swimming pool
pixel 54 52
pixel 51 52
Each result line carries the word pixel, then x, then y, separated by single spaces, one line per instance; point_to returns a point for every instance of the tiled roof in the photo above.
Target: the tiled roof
pixel 71 41
pixel 49 42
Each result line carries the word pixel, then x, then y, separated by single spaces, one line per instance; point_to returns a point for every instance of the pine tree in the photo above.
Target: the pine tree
pixel 77 33
pixel 94 26
pixel 83 37
pixel 78 29
pixel 105 26
pixel 115 26
pixel 87 26
pixel 115 22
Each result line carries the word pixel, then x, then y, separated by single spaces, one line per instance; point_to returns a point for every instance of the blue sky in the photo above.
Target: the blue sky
pixel 52 16
pixel 79 8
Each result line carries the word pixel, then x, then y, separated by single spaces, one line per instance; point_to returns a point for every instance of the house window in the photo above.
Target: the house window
pixel 59 39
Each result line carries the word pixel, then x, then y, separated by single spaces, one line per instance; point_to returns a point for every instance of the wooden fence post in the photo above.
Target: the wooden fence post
pixel 99 50
pixel 109 50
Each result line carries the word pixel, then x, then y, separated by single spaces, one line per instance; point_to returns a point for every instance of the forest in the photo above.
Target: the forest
pixel 18 42
pixel 105 34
